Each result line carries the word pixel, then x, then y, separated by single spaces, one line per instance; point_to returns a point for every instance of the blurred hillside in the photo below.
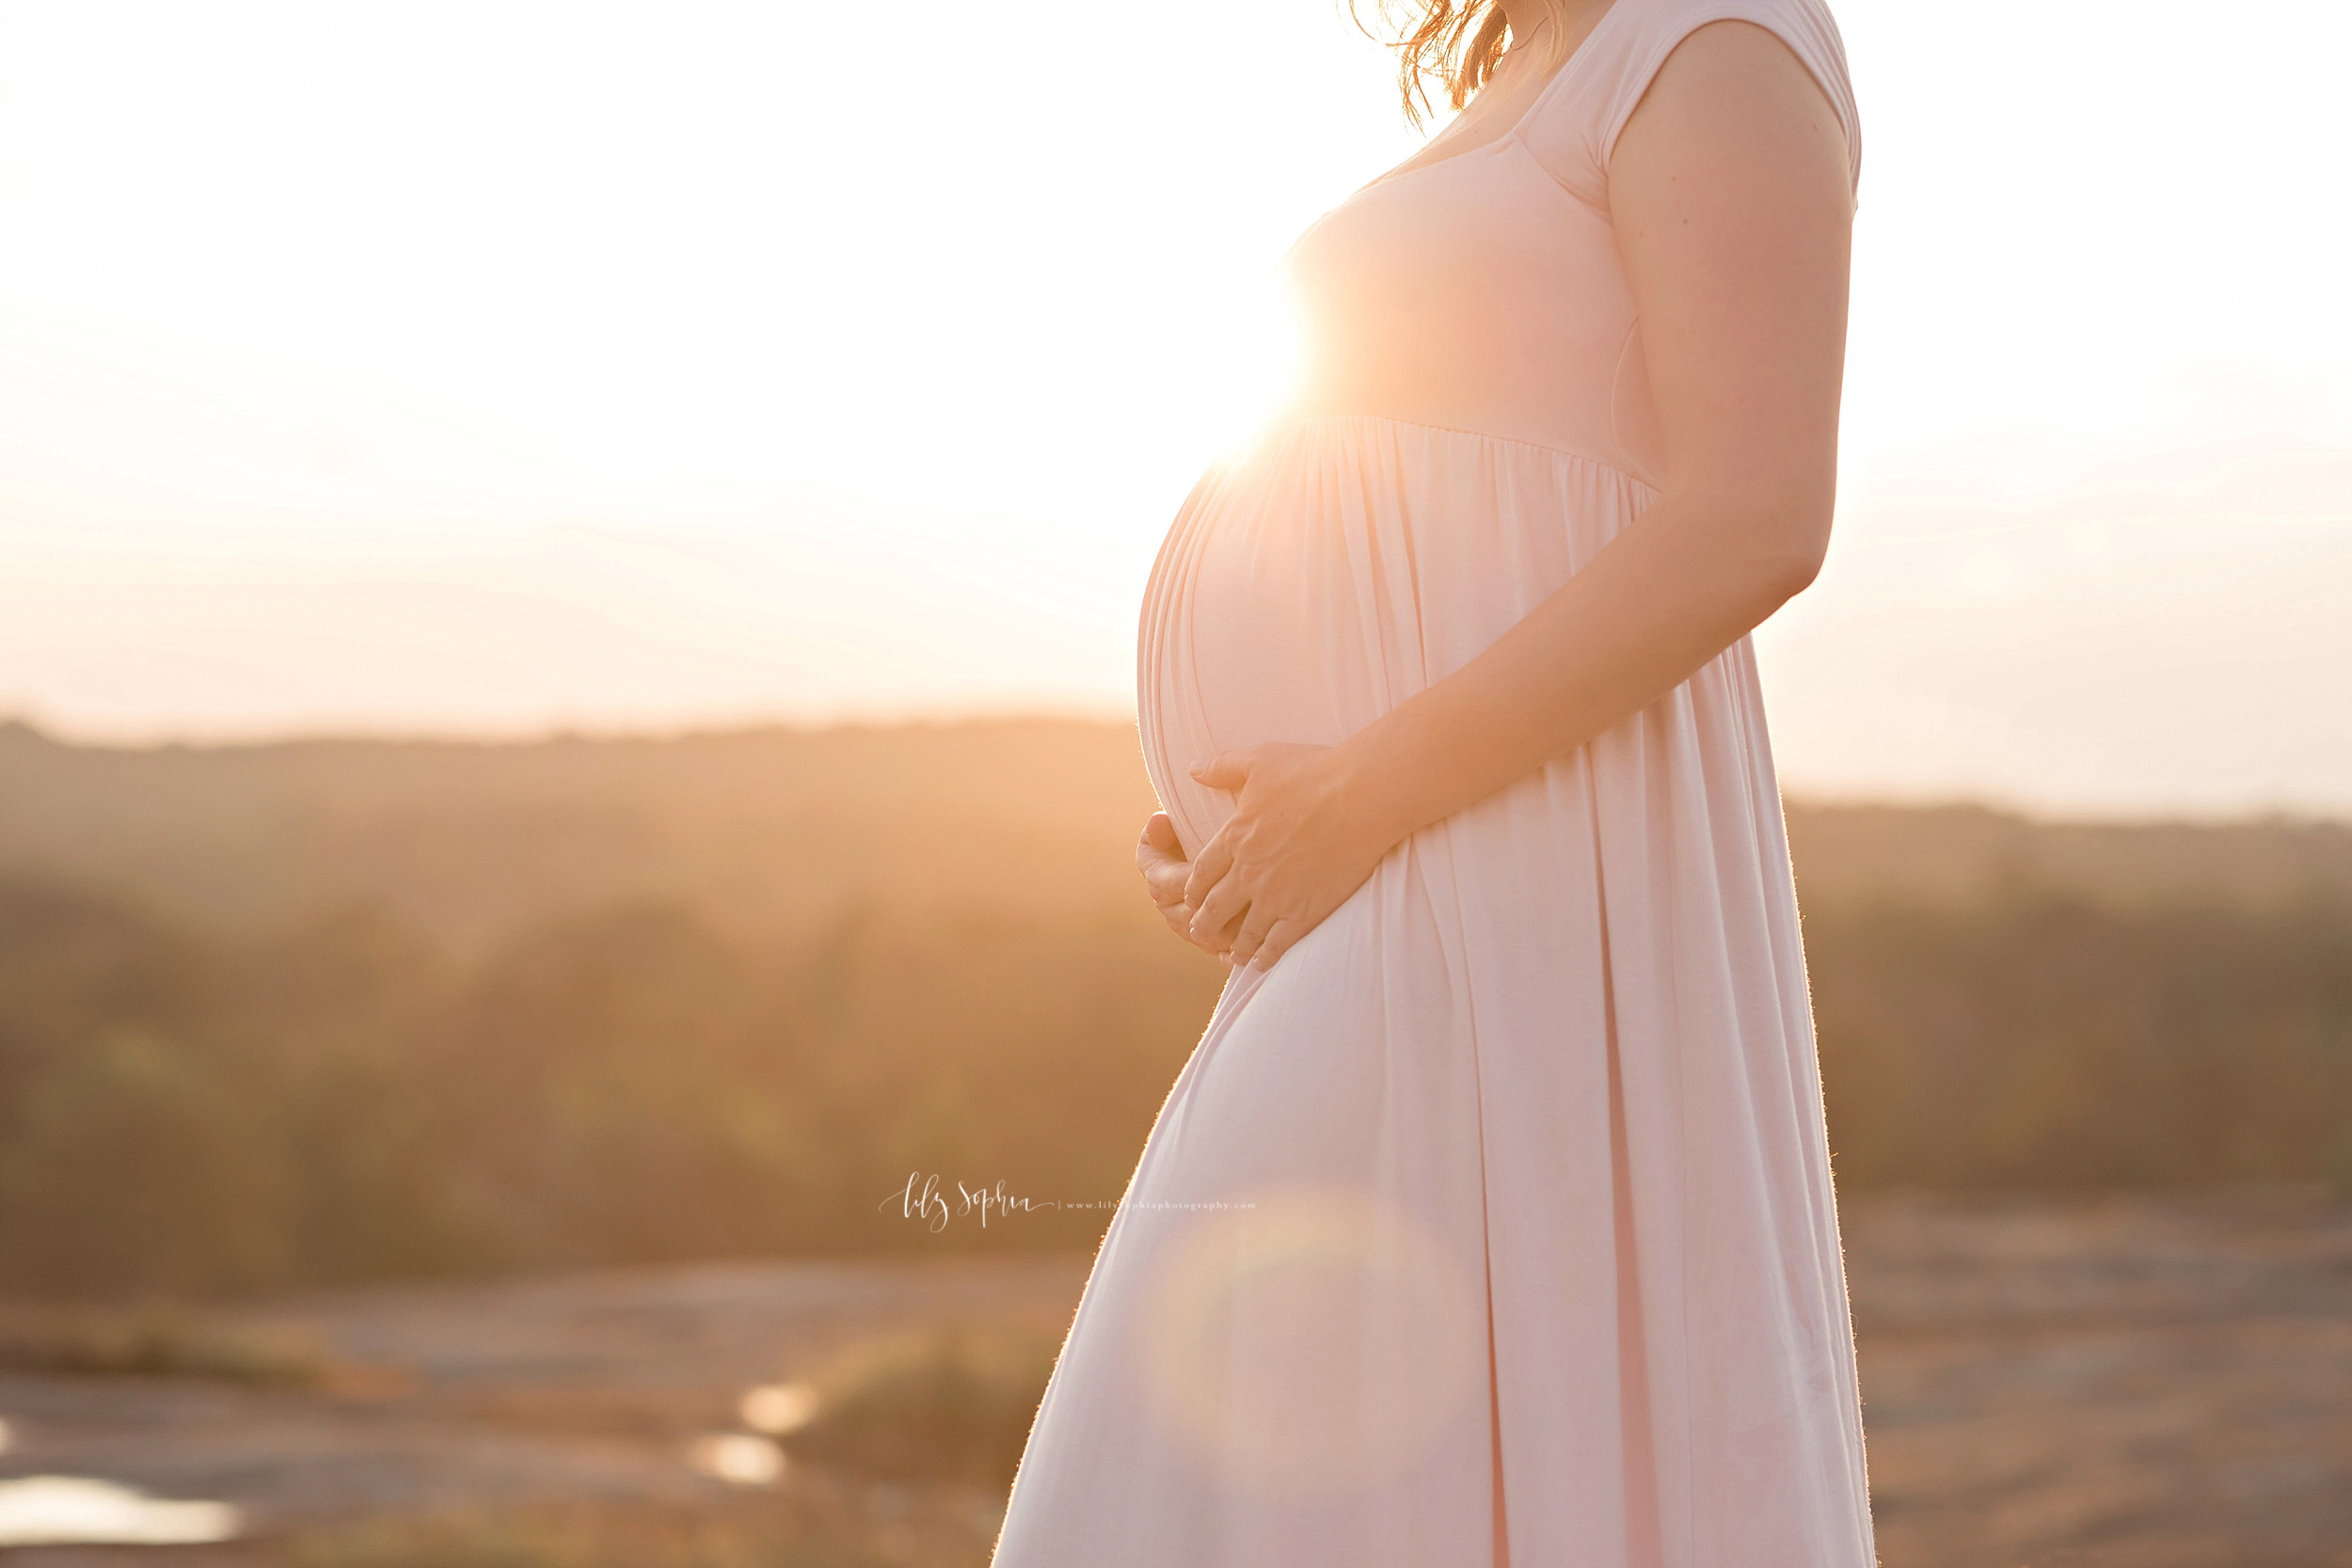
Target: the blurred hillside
pixel 764 832
pixel 336 1010
pixel 769 833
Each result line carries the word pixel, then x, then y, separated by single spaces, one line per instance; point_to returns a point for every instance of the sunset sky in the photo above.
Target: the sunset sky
pixel 491 368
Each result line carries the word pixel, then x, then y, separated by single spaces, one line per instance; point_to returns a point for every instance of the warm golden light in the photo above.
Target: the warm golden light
pixel 665 373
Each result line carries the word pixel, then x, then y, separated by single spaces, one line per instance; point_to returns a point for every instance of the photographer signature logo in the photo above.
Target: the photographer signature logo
pixel 924 1199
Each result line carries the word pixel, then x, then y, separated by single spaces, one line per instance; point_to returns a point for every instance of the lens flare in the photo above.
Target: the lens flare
pixel 1318 1340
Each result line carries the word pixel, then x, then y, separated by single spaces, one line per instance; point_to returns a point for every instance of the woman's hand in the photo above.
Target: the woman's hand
pixel 1161 859
pixel 1301 839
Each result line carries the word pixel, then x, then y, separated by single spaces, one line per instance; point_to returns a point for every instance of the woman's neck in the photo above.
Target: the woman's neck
pixel 1527 16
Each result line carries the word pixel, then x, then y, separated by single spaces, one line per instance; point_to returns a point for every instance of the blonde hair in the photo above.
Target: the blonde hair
pixel 1455 44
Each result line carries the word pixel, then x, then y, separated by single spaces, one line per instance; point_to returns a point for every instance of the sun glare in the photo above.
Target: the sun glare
pixel 310 306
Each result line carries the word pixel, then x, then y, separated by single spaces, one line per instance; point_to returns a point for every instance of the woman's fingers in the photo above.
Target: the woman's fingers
pixel 1161 860
pixel 1170 904
pixel 1254 925
pixel 1166 875
pixel 1277 942
pixel 1227 770
pixel 1154 846
pixel 1159 831
pixel 1221 908
pixel 1165 879
pixel 1222 943
pixel 1209 866
pixel 1160 857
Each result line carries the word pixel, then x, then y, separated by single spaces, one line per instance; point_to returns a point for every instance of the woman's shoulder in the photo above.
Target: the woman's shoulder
pixel 1576 125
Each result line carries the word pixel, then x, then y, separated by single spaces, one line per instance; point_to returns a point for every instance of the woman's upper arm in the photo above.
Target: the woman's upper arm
pixel 1730 189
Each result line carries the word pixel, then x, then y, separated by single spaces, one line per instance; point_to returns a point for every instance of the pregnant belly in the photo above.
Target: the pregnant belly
pixel 1340 567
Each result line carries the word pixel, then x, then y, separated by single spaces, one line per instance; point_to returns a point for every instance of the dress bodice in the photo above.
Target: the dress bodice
pixel 1484 292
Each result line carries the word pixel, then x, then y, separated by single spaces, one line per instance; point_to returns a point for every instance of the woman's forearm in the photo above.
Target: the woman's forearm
pixel 1692 577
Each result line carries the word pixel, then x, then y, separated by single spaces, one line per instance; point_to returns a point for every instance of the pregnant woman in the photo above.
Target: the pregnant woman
pixel 1490 1222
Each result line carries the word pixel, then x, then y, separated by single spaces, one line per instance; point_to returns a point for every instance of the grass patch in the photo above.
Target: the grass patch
pixel 944 1404
pixel 88 1341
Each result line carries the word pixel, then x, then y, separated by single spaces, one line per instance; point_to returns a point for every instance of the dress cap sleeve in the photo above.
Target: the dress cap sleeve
pixel 1574 127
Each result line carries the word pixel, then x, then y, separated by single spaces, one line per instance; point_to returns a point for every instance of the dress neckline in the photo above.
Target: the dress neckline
pixel 1510 132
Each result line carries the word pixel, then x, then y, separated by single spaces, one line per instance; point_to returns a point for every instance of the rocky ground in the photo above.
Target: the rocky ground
pixel 2162 1384
pixel 2158 1385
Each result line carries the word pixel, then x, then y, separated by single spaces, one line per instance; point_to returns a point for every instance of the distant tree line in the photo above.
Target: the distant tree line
pixel 185 1113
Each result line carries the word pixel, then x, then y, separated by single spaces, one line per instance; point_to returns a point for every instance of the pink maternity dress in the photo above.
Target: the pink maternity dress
pixel 1493 1225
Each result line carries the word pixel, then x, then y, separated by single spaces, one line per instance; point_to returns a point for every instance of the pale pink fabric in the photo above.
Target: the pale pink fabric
pixel 1493 1225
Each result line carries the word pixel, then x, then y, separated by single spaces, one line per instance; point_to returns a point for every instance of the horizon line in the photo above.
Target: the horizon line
pixel 18 728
